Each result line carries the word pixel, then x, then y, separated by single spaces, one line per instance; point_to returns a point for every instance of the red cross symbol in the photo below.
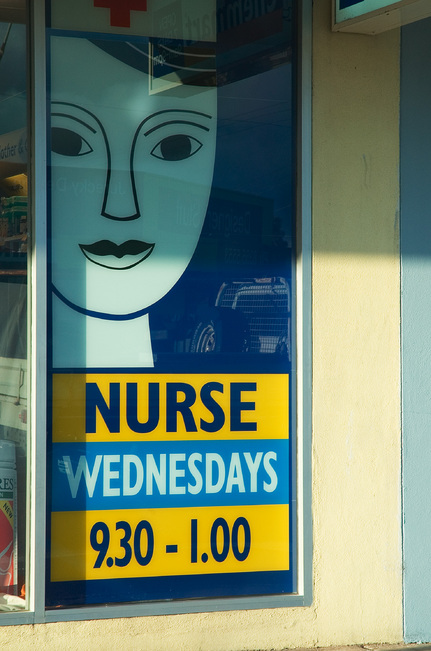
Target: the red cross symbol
pixel 120 10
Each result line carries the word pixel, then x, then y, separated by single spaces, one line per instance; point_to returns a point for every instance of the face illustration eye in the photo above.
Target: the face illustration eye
pixel 68 143
pixel 177 147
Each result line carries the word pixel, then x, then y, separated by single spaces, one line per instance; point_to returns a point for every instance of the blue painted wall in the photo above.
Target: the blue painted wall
pixel 416 325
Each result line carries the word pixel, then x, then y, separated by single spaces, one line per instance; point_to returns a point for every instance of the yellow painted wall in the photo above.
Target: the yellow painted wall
pixel 356 379
pixel 356 340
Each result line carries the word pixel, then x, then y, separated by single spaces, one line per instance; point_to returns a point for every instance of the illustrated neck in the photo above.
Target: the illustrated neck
pixel 81 341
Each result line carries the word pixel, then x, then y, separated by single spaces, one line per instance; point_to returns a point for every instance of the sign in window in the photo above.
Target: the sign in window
pixel 172 301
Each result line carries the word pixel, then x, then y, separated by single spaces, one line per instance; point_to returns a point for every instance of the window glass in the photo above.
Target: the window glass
pixel 172 254
pixel 13 312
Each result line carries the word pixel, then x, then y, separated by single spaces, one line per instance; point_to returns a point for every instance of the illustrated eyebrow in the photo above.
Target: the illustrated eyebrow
pixel 153 115
pixel 164 124
pixel 72 117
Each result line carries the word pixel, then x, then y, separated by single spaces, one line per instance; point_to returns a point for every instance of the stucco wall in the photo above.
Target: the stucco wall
pixel 356 323
pixel 356 396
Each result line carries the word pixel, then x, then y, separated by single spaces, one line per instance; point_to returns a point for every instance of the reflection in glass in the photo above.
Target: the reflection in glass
pixel 13 315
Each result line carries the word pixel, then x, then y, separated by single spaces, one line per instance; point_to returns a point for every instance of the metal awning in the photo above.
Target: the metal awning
pixel 375 16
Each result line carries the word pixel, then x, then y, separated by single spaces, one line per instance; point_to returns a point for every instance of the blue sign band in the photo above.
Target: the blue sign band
pixel 137 475
pixel 345 4
pixel 175 587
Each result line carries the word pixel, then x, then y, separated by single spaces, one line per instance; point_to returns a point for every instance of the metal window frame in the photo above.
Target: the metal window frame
pixel 38 338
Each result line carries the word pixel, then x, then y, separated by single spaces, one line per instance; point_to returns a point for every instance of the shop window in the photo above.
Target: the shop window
pixel 14 371
pixel 165 431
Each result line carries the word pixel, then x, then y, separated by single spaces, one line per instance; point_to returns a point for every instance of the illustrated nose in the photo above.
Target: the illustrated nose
pixel 120 201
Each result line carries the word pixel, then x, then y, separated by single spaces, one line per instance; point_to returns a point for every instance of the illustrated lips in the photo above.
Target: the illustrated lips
pixel 127 255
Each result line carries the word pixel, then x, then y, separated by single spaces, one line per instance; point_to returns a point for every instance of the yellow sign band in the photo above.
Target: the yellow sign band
pixel 115 407
pixel 169 542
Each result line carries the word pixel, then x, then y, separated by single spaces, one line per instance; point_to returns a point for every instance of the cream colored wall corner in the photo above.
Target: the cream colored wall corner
pixel 356 336
pixel 356 397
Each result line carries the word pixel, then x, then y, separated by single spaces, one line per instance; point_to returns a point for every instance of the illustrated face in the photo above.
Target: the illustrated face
pixel 131 176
